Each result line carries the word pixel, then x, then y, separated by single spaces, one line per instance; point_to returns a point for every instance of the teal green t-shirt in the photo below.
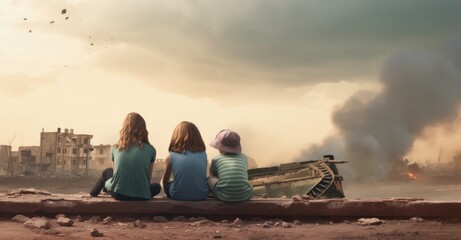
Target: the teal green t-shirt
pixel 131 171
pixel 232 171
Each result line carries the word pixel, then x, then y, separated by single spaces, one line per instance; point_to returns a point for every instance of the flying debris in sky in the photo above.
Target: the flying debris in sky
pixel 51 22
pixel 91 44
pixel 63 11
pixel 67 18
pixel 30 31
pixel 25 19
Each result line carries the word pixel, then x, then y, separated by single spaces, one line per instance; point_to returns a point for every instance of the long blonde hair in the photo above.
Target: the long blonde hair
pixel 133 132
pixel 186 136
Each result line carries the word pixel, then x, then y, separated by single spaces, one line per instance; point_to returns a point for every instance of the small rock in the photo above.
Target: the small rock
pixel 63 221
pixel 347 222
pixel 297 222
pixel 284 197
pixel 297 198
pixel 370 221
pixel 237 222
pixel 59 215
pixel 78 218
pixel 95 218
pixel 37 223
pixel 179 218
pixel 267 225
pixel 107 220
pixel 217 234
pixel 286 225
pixel 416 219
pixel 200 223
pixel 95 233
pixel 225 221
pixel 331 222
pixel 159 219
pixel 20 218
pixel 139 224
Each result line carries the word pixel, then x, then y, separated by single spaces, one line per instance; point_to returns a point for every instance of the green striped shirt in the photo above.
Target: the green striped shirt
pixel 232 171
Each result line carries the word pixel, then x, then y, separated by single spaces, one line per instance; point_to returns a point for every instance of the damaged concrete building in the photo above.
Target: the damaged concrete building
pixel 64 153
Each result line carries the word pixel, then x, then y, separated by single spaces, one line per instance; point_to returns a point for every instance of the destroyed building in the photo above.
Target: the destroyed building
pixel 64 153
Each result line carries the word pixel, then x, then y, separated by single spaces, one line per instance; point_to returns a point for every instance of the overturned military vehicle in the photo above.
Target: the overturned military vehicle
pixel 313 178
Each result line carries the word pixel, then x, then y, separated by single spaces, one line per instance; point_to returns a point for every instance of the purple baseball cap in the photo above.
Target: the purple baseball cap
pixel 227 141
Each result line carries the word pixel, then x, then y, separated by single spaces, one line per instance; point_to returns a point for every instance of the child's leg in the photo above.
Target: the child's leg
pixel 155 189
pixel 166 189
pixel 106 174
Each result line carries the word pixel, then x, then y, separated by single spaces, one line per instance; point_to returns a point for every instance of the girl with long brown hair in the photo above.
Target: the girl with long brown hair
pixel 187 162
pixel 133 159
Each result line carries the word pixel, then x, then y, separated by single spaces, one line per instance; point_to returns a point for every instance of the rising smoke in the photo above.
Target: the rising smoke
pixel 419 90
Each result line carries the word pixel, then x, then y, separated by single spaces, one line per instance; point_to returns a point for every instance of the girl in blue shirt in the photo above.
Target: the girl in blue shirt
pixel 187 162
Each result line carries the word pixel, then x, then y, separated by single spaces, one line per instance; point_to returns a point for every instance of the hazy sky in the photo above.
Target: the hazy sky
pixel 271 70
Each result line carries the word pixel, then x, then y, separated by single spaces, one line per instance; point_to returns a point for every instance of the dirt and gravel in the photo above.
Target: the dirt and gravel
pixel 200 228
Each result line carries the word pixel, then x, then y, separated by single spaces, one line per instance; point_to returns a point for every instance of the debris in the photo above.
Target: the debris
pixel 200 223
pixel 67 18
pixel 217 234
pixel 63 11
pixel 60 216
pixel 95 233
pixel 237 222
pixel 297 222
pixel 416 219
pixel 30 31
pixel 276 224
pixel 95 218
pixel 159 219
pixel 37 223
pixel 268 224
pixel 25 19
pixel 297 198
pixel 51 22
pixel 179 218
pixel 91 44
pixel 370 221
pixel 107 220
pixel 63 221
pixel 28 191
pixel 139 224
pixel 20 218
pixel 286 225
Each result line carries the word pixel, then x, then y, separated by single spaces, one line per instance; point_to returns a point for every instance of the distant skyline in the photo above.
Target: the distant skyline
pixel 273 71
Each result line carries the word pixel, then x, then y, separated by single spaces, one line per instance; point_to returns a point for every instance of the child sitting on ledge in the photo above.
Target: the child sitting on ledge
pixel 228 180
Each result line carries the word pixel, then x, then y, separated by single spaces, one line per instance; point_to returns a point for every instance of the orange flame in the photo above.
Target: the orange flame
pixel 412 176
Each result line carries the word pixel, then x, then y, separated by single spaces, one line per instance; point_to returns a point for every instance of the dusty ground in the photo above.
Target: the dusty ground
pixel 224 229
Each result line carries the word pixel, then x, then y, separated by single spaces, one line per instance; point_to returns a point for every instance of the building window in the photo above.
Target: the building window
pixel 65 150
pixel 74 140
pixel 73 162
pixel 85 150
pixel 85 141
pixel 101 151
pixel 64 162
pixel 74 151
pixel 59 150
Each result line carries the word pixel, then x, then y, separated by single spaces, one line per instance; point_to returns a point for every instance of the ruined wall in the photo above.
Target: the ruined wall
pixel 100 159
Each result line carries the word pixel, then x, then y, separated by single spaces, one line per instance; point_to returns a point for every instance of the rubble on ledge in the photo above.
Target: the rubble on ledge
pixel 82 204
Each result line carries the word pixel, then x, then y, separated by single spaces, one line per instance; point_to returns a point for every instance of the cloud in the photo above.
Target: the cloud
pixel 17 83
pixel 269 43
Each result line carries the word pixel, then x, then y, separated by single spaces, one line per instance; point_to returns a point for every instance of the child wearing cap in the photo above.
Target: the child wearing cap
pixel 228 180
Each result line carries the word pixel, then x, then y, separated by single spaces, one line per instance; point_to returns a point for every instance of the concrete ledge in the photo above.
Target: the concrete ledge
pixel 31 204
